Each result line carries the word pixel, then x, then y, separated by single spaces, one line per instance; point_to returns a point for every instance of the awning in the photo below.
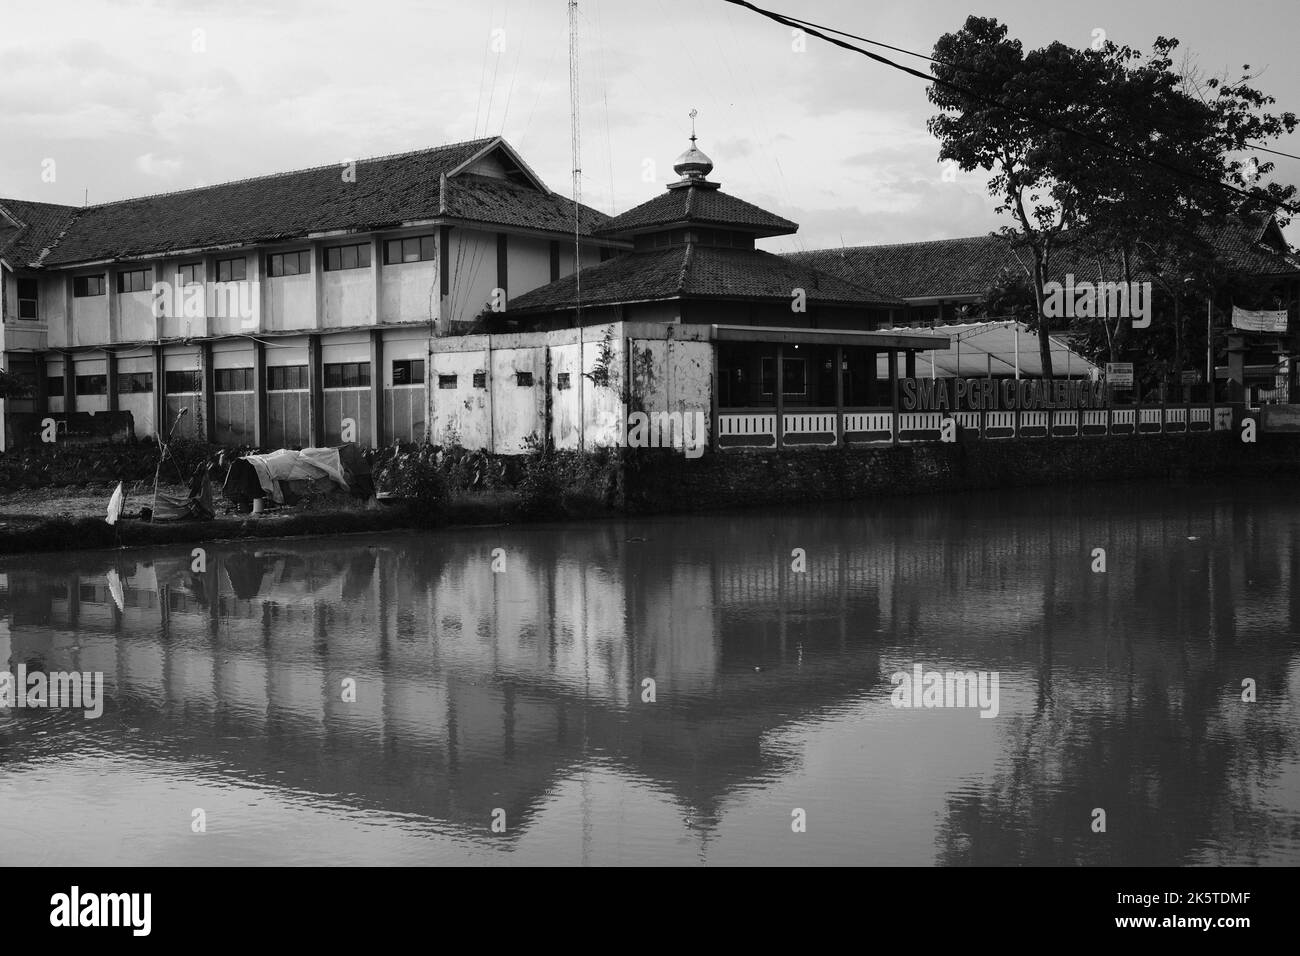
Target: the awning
pixel 980 349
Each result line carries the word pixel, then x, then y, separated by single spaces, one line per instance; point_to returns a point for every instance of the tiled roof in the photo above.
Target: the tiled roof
pixel 706 205
pixel 698 272
pixel 387 191
pixel 966 267
pixel 41 223
pixel 485 199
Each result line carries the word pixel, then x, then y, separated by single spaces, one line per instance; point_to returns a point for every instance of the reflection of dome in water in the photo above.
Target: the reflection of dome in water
pixel 693 164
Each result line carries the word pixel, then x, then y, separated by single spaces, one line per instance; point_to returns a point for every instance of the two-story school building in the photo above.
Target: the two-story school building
pixel 286 310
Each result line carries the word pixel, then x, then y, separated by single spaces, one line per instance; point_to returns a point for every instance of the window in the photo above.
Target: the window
pixel 347 375
pixel 796 376
pixel 289 263
pixel 410 249
pixel 446 381
pixel 54 385
pixel 561 381
pixel 408 371
pixel 524 379
pixel 233 380
pixel 286 378
pixel 83 286
pixel 28 294
pixel 134 280
pixel 192 274
pixel 480 379
pixel 232 270
pixel 132 383
pixel 92 384
pixel 187 382
pixel 347 257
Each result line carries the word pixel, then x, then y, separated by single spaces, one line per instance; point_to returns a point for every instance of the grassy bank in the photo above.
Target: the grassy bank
pixel 23 533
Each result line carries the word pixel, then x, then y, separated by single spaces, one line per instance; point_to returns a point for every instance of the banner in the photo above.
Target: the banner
pixel 1119 374
pixel 1258 321
pixel 978 394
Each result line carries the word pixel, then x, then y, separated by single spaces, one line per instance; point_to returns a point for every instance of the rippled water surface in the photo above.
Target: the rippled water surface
pixel 517 695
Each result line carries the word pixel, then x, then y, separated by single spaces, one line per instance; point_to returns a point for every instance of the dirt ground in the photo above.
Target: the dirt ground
pixel 30 506
pixel 37 504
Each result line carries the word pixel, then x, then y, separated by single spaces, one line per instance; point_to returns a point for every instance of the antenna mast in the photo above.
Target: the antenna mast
pixel 576 145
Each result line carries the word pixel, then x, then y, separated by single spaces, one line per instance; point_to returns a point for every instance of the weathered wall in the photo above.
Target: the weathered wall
pixel 668 481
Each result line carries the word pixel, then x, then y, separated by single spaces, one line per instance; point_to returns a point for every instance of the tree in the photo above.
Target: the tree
pixel 1118 158
pixel 999 106
pixel 13 386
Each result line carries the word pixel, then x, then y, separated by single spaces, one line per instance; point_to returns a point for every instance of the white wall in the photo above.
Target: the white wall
pixel 349 296
pixel 139 404
pixel 460 415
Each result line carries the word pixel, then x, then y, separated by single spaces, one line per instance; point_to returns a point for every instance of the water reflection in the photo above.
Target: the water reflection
pixel 522 691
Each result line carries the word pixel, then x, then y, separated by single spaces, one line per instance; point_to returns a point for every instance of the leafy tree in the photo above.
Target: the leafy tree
pixel 1118 157
pixel 13 386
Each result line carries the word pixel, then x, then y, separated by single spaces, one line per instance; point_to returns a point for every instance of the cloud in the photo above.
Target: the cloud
pixel 152 165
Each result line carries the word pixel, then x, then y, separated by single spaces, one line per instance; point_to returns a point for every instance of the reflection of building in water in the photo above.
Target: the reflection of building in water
pixel 478 690
pixel 473 689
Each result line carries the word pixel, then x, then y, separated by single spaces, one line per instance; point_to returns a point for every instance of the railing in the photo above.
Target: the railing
pixel 758 429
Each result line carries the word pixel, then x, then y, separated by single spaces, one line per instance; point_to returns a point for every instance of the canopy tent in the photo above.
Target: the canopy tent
pixel 1002 348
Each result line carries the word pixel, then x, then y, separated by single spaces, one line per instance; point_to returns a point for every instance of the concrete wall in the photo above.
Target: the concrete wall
pixel 586 382
pixel 90 319
pixel 473 273
pixel 141 405
pixel 408 291
pixel 349 297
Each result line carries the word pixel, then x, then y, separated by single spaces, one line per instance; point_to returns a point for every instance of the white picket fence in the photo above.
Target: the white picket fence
pixel 759 429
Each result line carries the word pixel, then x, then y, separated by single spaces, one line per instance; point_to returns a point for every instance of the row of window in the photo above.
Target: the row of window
pixel 279 378
pixel 354 256
pixel 522 379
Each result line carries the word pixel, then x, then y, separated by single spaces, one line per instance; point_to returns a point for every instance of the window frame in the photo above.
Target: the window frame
pixel 339 255
pixel 425 242
pixel 300 256
pixel 409 379
pixel 360 375
pixel 276 372
pixel 129 378
pixel 243 269
pixel 34 286
pixel 221 376
pixel 84 284
pixel 122 282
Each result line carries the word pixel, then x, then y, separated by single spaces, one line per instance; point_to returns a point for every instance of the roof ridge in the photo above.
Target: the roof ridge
pixel 687 259
pixel 285 173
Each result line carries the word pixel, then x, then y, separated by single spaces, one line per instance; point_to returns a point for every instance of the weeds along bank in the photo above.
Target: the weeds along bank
pixel 433 487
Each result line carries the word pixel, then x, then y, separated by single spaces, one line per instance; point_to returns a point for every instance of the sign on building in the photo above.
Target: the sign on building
pixel 1249 321
pixel 1119 374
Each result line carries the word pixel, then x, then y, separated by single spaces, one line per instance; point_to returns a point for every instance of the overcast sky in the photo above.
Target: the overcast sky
pixel 128 99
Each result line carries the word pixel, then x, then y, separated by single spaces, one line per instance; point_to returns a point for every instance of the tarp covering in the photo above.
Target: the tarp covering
pixel 286 474
pixel 310 464
pixel 196 504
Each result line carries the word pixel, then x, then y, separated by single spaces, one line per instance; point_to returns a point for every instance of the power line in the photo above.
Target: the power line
pixel 931 59
pixel 1130 156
